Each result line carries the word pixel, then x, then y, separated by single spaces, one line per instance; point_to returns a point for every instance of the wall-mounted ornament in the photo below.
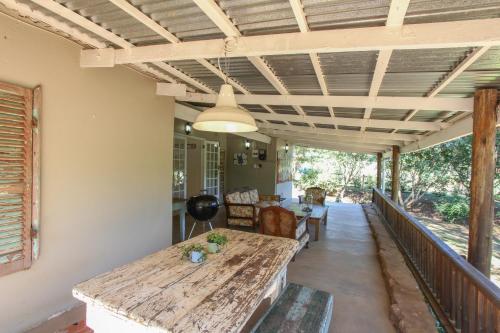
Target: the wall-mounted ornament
pixel 240 159
pixel 262 154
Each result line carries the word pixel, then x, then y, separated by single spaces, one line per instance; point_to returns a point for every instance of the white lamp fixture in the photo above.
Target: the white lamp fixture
pixel 226 116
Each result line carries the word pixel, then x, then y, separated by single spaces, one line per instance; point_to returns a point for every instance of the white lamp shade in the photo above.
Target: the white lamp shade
pixel 226 116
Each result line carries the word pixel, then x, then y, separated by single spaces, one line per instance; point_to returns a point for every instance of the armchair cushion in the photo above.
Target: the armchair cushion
pixel 233 198
pixel 254 196
pixel 245 198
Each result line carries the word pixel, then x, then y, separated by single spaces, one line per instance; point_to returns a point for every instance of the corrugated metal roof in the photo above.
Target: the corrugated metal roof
pixel 243 71
pixel 430 60
pixel 389 114
pixel 348 62
pixel 349 112
pixel 254 108
pixel 320 111
pixel 283 109
pixel 332 14
pixel 424 11
pixel 296 72
pixel 260 17
pixel 466 83
pixel 409 73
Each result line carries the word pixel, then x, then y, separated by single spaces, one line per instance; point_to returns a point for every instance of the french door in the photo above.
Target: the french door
pixel 212 160
pixel 179 168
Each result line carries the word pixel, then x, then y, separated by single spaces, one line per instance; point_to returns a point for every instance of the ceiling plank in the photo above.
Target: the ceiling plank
pixel 484 32
pixel 384 102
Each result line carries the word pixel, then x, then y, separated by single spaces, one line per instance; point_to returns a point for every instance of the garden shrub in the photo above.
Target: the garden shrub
pixel 454 209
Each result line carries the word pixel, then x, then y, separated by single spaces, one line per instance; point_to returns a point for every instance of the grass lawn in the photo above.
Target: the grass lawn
pixel 456 236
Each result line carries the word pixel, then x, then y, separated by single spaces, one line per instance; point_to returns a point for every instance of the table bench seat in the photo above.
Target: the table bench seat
pixel 298 309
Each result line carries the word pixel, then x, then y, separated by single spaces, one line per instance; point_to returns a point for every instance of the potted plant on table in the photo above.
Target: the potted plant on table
pixel 215 242
pixel 195 252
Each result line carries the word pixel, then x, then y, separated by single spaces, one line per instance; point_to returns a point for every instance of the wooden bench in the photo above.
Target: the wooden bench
pixel 298 309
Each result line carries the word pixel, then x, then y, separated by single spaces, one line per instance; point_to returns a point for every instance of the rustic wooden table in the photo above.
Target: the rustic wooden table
pixel 164 293
pixel 318 214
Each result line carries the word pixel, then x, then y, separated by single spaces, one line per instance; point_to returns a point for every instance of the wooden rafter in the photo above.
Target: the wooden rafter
pixel 385 102
pixel 300 16
pixel 371 136
pixel 327 137
pixel 223 22
pixel 482 32
pixel 395 18
pixel 459 69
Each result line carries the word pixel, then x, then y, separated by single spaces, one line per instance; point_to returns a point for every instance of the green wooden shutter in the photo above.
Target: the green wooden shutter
pixel 16 177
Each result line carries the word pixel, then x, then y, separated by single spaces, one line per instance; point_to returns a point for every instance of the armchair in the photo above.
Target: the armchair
pixel 281 222
pixel 318 194
pixel 243 206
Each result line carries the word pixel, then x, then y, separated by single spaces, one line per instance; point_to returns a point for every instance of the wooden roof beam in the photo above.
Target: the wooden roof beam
pixel 484 32
pixel 384 102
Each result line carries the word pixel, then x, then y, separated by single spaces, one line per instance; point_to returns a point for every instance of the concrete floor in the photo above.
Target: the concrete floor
pixel 344 263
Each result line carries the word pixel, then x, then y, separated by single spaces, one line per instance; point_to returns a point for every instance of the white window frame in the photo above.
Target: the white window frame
pixel 205 166
pixel 181 137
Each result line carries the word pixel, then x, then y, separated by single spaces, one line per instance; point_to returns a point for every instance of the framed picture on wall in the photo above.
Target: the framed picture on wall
pixel 240 159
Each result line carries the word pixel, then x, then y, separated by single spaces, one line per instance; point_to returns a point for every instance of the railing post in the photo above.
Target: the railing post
pixel 379 170
pixel 482 175
pixel 395 174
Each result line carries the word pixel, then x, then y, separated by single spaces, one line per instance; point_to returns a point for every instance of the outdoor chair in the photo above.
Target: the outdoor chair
pixel 281 222
pixel 318 195
pixel 243 206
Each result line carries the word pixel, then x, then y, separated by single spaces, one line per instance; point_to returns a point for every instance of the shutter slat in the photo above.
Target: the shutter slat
pixel 10 111
pixel 16 163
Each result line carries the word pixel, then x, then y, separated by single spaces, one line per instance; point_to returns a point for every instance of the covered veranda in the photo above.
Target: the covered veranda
pixel 384 78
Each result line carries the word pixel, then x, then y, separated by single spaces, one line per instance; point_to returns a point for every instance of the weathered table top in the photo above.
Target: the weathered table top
pixel 164 292
pixel 317 213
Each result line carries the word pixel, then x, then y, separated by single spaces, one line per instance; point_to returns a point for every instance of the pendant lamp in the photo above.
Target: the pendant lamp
pixel 226 116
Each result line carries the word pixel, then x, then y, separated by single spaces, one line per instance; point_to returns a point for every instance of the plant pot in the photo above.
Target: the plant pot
pixel 213 247
pixel 196 256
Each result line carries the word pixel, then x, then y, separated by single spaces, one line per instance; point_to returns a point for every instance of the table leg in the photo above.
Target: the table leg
pixel 182 220
pixel 316 230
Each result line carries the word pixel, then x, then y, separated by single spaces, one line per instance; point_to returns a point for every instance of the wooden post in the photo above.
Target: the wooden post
pixel 483 173
pixel 379 170
pixel 395 174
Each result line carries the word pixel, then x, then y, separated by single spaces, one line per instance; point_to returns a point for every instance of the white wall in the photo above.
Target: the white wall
pixel 106 171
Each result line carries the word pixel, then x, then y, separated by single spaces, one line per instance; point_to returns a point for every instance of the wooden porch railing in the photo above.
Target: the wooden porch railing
pixel 463 298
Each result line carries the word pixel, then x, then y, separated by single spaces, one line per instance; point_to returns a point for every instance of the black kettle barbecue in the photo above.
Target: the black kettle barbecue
pixel 203 209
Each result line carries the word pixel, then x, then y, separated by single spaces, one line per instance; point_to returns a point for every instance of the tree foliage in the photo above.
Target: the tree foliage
pixel 331 170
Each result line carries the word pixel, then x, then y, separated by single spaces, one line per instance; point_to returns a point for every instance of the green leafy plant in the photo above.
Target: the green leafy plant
pixel 187 249
pixel 454 209
pixel 217 238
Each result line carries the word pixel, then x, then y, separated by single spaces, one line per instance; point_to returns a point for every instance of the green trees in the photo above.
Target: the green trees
pixel 439 174
pixel 331 170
